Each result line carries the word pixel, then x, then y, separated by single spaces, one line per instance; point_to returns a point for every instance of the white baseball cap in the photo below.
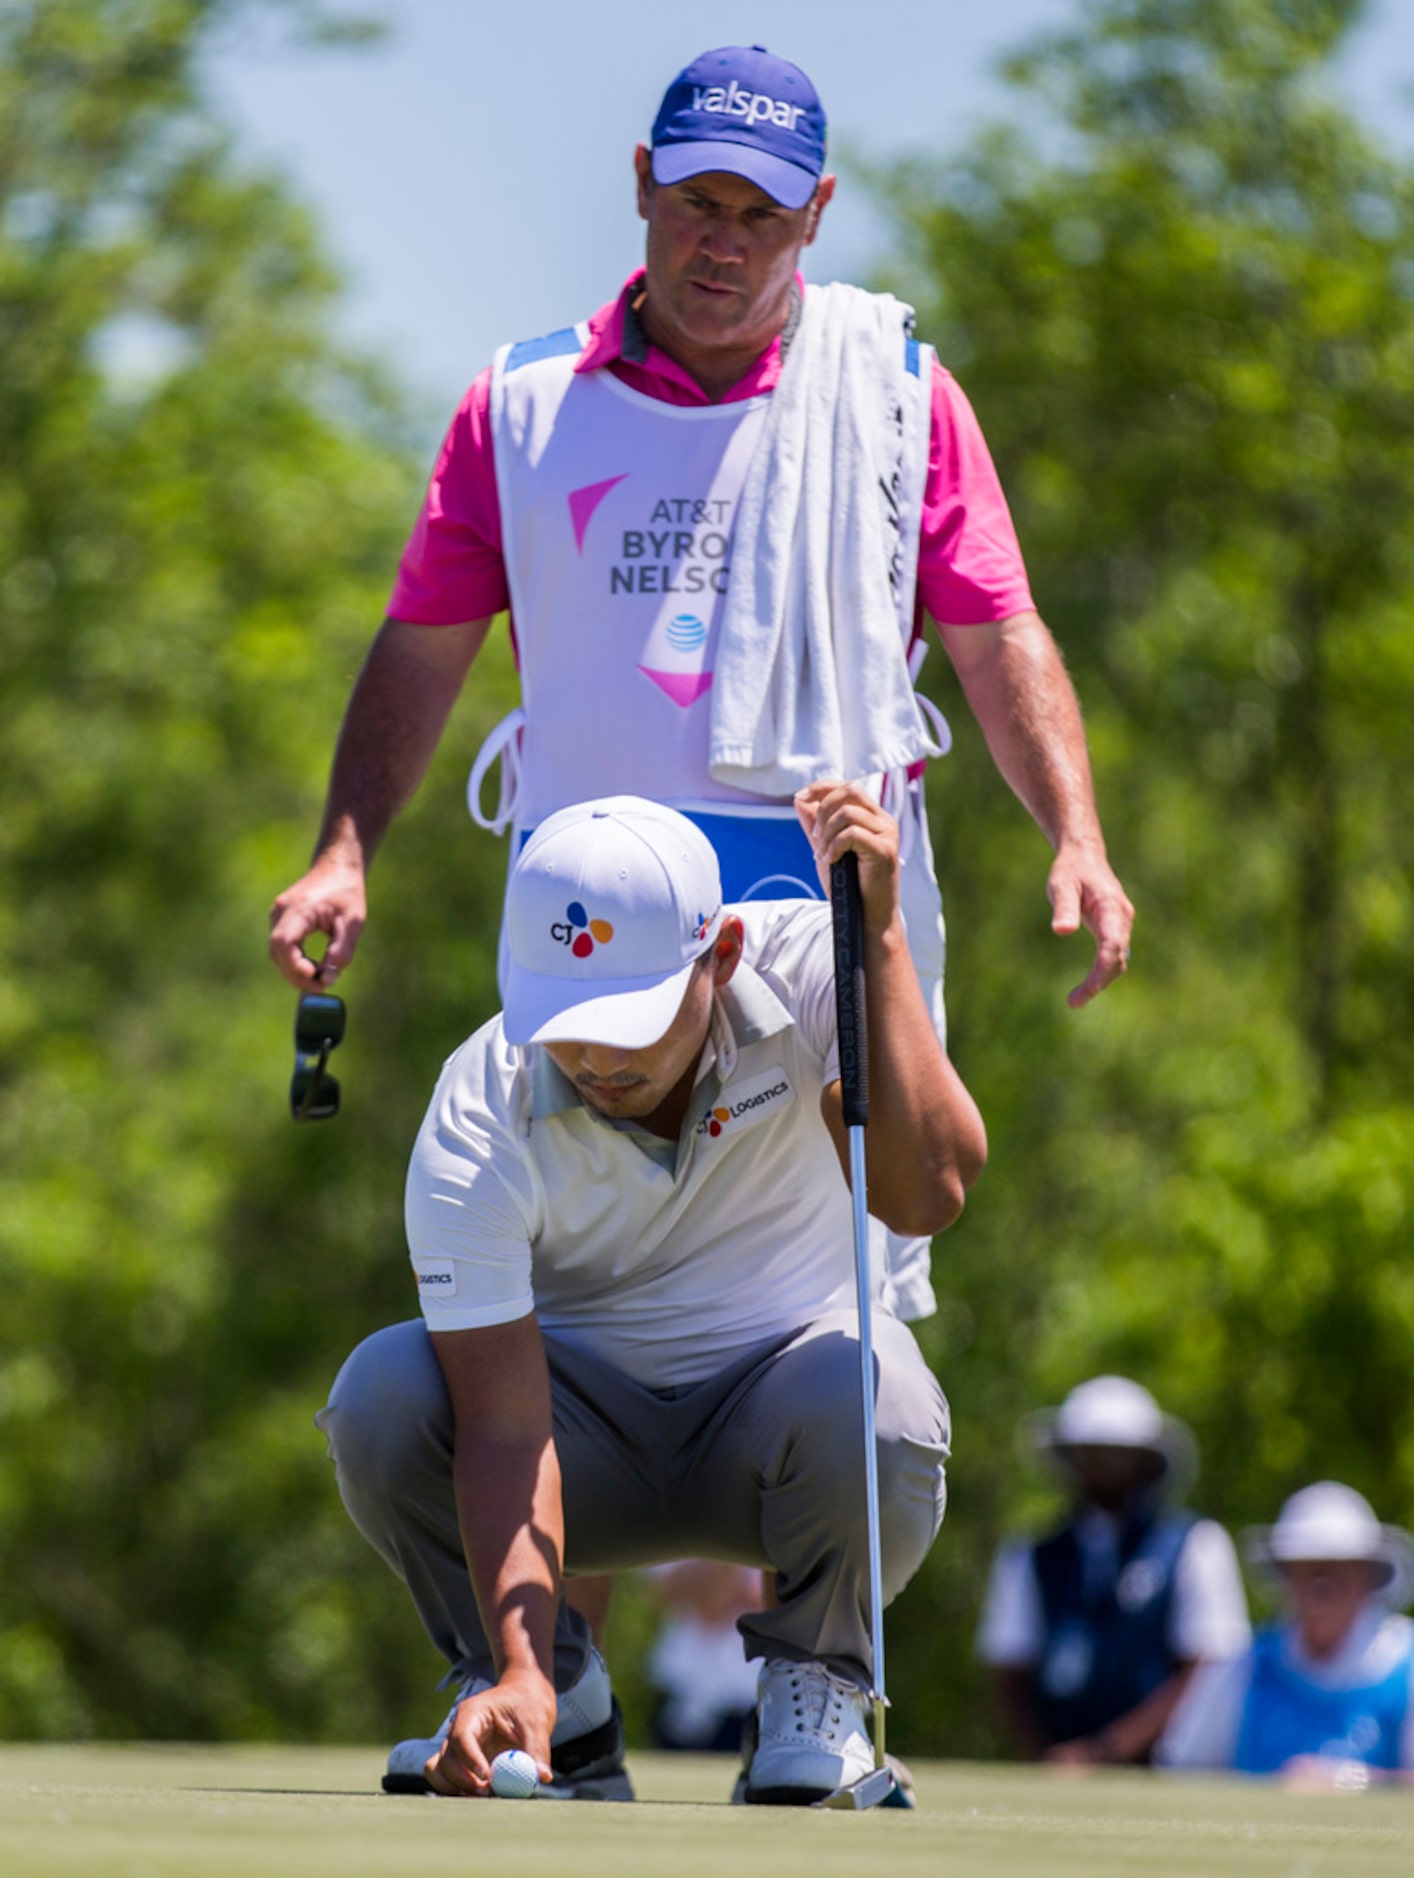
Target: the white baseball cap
pixel 1113 1412
pixel 610 905
pixel 1331 1523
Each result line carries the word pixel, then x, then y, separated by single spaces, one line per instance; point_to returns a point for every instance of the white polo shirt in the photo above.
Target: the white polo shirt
pixel 666 1262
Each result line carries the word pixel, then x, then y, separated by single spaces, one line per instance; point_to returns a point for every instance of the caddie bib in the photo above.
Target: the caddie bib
pixel 616 514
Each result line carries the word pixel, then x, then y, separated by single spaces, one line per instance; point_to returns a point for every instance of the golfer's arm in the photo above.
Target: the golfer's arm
pixel 507 1480
pixel 1020 693
pixel 925 1143
pixel 396 713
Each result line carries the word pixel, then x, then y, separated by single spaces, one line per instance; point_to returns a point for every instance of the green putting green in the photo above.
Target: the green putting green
pixel 179 1812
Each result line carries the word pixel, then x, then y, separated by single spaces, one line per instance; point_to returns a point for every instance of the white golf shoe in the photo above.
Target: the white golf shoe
pixel 586 1747
pixel 812 1736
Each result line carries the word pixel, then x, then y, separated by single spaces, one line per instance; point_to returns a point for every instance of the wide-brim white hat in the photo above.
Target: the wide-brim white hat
pixel 1113 1412
pixel 1328 1522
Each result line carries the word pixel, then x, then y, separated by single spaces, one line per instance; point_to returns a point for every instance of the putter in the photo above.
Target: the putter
pixel 847 910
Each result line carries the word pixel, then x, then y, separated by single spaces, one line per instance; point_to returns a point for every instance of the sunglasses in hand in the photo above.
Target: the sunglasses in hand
pixel 319 1028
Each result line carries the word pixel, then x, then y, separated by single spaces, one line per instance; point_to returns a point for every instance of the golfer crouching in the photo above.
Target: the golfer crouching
pixel 629 1219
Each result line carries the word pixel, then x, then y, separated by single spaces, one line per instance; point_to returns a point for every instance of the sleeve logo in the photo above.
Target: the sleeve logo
pixel 436 1278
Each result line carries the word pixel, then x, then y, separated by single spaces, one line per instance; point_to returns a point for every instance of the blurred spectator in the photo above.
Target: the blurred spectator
pixel 1324 1697
pixel 705 1688
pixel 1094 1631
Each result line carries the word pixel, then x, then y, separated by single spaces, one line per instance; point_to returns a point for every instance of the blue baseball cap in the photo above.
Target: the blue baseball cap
pixel 743 110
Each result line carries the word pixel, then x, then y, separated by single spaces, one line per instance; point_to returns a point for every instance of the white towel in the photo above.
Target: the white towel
pixel 810 678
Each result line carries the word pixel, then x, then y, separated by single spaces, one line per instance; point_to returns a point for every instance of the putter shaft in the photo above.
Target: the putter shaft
pixel 871 1453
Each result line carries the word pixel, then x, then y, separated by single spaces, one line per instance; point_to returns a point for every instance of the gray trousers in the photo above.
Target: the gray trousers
pixel 762 1464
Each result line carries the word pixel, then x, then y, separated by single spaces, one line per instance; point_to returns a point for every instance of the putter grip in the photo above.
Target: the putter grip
pixel 847 911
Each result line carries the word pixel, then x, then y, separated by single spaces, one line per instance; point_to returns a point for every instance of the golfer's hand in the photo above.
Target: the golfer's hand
pixel 841 818
pixel 518 1713
pixel 1083 891
pixel 330 899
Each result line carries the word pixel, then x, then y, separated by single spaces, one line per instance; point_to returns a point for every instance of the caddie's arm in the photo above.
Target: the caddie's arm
pixel 396 713
pixel 925 1143
pixel 507 1480
pixel 1020 693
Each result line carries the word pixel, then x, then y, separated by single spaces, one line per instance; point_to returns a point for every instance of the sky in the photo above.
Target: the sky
pixel 472 173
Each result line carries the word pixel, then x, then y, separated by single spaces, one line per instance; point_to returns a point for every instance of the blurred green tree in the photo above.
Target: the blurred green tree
pixel 201 503
pixel 1184 306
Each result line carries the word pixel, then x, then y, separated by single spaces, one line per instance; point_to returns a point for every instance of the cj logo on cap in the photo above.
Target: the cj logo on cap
pixel 579 932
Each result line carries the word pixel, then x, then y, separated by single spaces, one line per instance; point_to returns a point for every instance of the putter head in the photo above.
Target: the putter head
pixel 872 1789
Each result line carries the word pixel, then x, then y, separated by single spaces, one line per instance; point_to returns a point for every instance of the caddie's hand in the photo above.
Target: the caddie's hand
pixel 331 899
pixel 518 1713
pixel 1083 891
pixel 841 818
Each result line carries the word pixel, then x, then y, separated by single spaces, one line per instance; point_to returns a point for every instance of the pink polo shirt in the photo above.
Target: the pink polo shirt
pixel 970 569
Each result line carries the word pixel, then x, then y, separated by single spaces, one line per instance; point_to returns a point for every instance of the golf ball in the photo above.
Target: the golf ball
pixel 514 1775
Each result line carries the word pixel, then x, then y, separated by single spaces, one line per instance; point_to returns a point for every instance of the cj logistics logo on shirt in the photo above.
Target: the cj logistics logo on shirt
pixel 579 932
pixel 754 106
pixel 754 1101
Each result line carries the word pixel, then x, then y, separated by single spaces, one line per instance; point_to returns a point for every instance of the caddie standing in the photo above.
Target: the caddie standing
pixel 720 510
pixel 629 1219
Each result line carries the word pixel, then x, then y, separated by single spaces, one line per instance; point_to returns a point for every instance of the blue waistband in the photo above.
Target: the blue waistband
pixel 762 857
